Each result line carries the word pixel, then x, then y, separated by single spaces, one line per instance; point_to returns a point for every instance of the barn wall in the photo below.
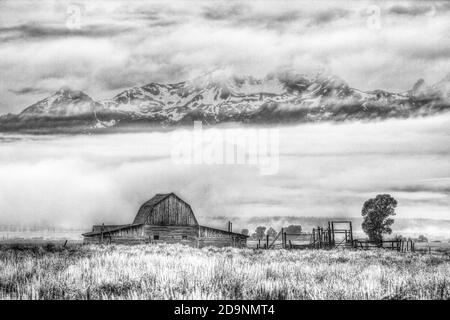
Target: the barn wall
pixel 233 241
pixel 170 212
pixel 115 240
pixel 126 235
pixel 172 234
pixel 219 238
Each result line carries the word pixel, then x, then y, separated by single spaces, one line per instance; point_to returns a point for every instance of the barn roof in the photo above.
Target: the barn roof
pixel 225 231
pixel 140 217
pixel 125 226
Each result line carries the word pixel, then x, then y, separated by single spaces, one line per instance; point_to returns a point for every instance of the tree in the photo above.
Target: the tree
pixel 259 232
pixel 271 233
pixel 422 238
pixel 376 213
pixel 245 232
pixel 293 228
pixel 400 237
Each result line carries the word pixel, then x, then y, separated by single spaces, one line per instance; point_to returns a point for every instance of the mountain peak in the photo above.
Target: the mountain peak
pixel 69 93
pixel 221 96
pixel 65 90
pixel 64 102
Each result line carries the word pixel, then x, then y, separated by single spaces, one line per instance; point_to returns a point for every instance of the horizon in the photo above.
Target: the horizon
pixel 402 226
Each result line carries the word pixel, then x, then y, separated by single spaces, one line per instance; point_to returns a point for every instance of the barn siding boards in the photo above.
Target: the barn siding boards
pixel 220 238
pixel 166 209
pixel 171 220
pixel 171 233
pixel 115 240
pixel 98 228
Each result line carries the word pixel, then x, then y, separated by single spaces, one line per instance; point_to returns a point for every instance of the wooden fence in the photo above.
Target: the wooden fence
pixel 337 234
pixel 397 245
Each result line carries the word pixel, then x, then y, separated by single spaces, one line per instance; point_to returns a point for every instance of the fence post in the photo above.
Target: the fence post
pixel 267 241
pixel 101 235
pixel 330 241
pixel 314 237
pixel 259 243
pixel 351 232
pixel 332 233
pixel 319 237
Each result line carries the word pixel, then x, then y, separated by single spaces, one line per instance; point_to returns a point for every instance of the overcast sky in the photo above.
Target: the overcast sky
pixel 103 47
pixel 324 170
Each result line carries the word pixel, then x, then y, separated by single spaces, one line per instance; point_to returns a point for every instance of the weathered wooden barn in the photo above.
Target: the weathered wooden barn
pixel 165 218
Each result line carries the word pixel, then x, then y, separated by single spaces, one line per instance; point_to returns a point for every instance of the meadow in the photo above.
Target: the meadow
pixel 180 272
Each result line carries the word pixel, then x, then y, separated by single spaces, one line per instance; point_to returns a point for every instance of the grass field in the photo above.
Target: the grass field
pixel 179 272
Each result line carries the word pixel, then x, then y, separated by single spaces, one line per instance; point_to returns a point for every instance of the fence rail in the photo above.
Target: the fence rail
pixel 397 244
pixel 337 234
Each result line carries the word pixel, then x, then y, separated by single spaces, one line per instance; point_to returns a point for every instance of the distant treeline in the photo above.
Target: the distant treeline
pixel 262 232
pixel 35 228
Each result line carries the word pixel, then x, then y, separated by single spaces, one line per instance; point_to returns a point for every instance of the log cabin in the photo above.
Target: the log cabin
pixel 166 218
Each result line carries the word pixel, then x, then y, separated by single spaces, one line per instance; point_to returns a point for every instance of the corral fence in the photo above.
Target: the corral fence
pixel 396 244
pixel 338 234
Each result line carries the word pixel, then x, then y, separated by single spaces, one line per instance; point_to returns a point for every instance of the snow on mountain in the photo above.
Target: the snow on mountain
pixel 219 97
pixel 443 87
pixel 63 103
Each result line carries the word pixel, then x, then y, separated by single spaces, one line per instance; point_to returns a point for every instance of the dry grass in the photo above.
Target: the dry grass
pixel 178 272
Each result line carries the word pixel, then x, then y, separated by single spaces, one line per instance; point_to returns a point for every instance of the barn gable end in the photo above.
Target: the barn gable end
pixel 166 210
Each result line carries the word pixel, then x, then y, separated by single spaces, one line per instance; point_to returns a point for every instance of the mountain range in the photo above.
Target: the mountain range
pixel 216 98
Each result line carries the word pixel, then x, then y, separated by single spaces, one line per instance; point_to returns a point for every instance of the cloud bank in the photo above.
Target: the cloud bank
pixel 324 170
pixel 103 47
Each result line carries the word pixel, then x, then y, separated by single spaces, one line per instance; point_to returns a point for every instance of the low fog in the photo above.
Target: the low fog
pixel 324 170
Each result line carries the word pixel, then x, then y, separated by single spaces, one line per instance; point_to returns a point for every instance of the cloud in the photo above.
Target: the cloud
pixel 81 180
pixel 224 12
pixel 123 44
pixel 413 10
pixel 27 90
pixel 329 16
pixel 41 32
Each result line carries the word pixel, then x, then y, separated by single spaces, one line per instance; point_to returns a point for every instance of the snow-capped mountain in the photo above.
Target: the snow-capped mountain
pixel 62 103
pixel 216 98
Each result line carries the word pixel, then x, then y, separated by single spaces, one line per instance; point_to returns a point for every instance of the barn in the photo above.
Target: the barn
pixel 165 218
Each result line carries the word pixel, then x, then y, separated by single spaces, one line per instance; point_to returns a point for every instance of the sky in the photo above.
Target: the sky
pixel 324 170
pixel 104 47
